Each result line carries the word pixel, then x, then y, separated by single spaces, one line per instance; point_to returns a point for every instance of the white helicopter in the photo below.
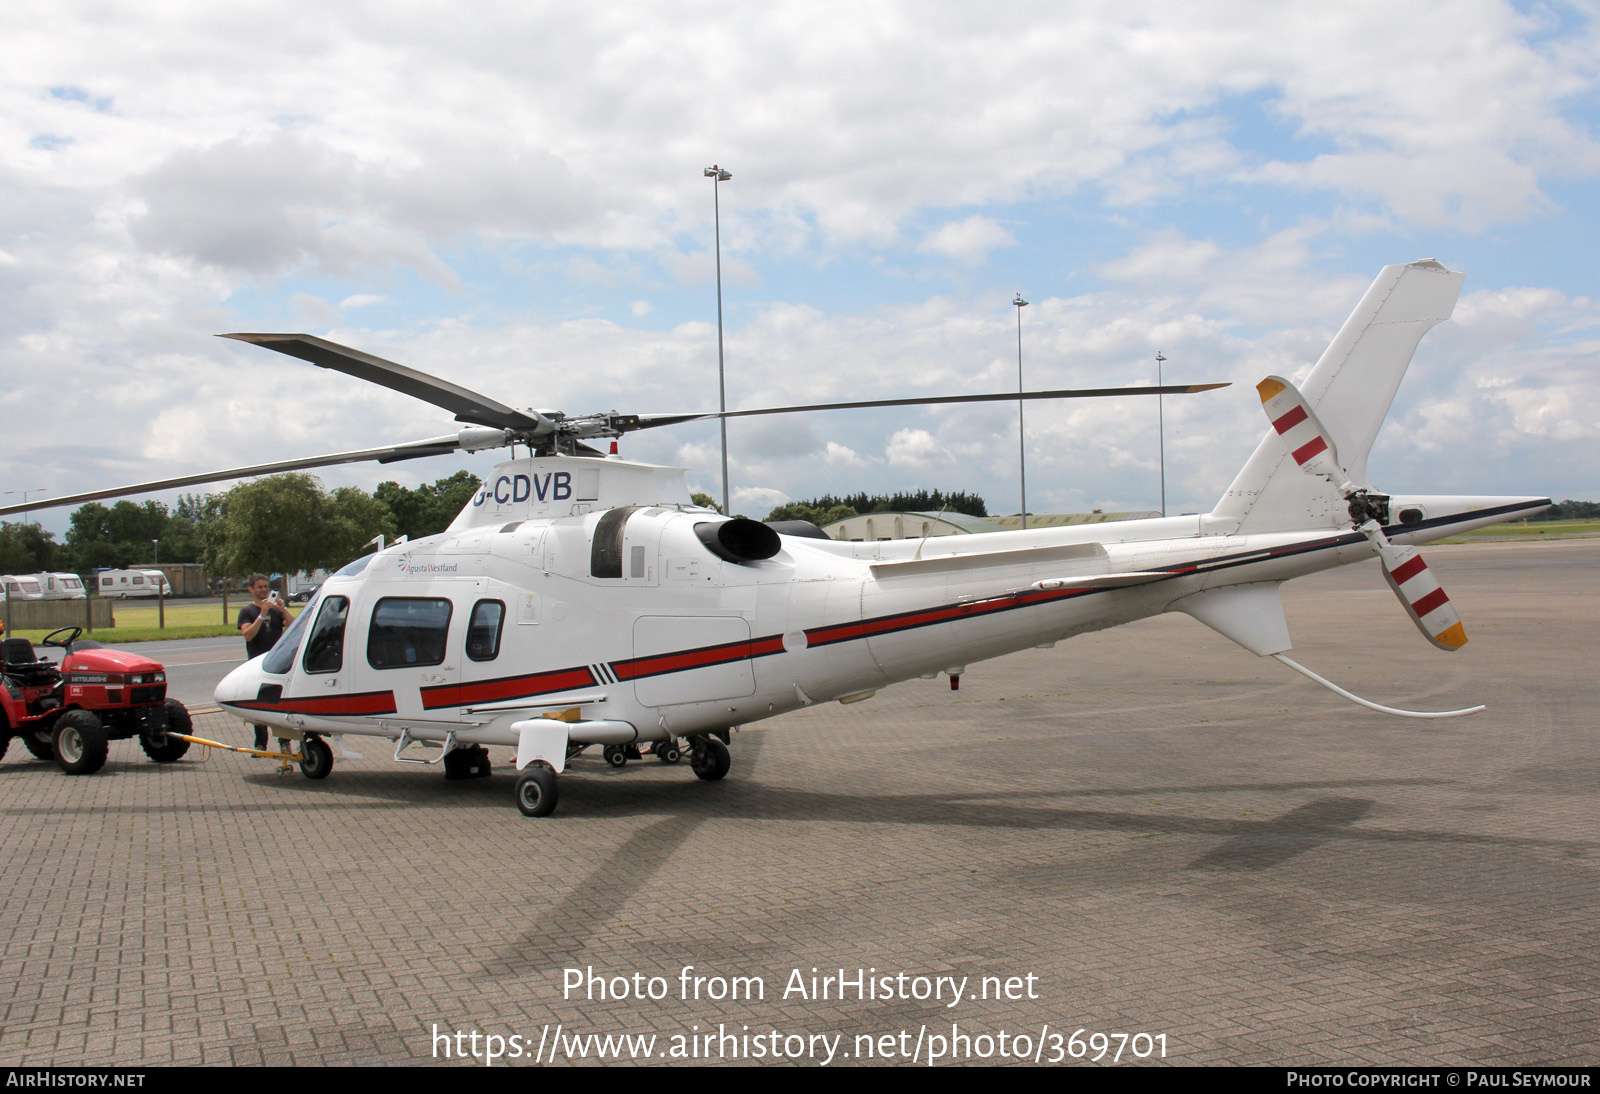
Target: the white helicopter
pixel 582 600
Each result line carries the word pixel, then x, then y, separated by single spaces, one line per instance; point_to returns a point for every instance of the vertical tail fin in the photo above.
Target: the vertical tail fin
pixel 1350 390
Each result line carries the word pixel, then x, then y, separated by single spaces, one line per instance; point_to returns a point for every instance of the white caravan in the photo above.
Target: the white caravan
pixel 121 584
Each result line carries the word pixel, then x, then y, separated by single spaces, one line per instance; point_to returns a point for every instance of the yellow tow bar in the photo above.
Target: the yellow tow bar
pixel 287 757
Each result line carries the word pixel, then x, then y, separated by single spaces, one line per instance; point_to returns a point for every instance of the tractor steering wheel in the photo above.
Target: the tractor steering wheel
pixel 71 633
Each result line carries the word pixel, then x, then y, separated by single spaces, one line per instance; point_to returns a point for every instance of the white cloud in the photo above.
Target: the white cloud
pixel 757 497
pixel 1229 175
pixel 969 240
pixel 916 449
pixel 839 455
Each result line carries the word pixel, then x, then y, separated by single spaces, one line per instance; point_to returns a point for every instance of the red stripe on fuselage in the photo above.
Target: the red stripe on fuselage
pixel 658 664
pixel 371 702
pixel 507 687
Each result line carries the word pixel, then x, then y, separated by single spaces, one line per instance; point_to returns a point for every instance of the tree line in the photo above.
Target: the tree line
pixel 830 507
pixel 281 524
pixel 289 523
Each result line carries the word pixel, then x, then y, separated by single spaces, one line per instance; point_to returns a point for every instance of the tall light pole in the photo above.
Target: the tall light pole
pixel 718 176
pixel 1161 434
pixel 1022 447
pixel 25 493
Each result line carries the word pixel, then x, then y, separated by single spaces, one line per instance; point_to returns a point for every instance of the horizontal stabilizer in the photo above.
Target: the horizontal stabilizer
pixel 1251 615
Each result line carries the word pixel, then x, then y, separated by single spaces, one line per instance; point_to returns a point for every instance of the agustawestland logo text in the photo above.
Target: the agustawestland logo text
pixel 409 567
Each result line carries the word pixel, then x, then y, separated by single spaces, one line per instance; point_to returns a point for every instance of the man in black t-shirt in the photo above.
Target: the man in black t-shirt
pixel 262 622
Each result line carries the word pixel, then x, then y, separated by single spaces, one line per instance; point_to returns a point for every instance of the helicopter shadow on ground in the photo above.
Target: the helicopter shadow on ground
pixel 561 931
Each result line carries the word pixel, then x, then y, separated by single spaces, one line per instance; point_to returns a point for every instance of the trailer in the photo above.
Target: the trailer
pixel 122 584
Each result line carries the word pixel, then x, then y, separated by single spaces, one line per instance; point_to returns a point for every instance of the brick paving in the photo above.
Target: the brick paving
pixel 1172 836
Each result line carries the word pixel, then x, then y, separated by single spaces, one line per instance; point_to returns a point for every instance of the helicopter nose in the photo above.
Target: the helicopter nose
pixel 243 683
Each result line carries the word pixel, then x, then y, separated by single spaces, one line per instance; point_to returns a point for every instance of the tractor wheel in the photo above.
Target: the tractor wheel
pixel 81 743
pixel 160 747
pixel 40 742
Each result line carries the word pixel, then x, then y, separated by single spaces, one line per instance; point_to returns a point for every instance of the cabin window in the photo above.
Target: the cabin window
pixel 138 581
pixel 408 632
pixel 483 634
pixel 325 647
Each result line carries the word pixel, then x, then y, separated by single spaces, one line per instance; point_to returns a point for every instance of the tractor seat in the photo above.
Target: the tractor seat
pixel 23 666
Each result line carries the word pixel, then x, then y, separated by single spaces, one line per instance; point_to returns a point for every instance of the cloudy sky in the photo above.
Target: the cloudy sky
pixel 512 196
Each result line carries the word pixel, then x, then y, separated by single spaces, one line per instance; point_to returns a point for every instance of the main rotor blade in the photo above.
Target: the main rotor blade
pixel 649 421
pixel 412 450
pixel 466 405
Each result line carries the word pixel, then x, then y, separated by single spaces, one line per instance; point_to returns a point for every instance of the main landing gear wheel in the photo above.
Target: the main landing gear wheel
pixel 536 791
pixel 158 744
pixel 40 743
pixel 615 755
pixel 710 760
pixel 318 759
pixel 668 752
pixel 81 743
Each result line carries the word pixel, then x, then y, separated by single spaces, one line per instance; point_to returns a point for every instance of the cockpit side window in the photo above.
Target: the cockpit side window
pixel 483 634
pixel 325 647
pixel 408 632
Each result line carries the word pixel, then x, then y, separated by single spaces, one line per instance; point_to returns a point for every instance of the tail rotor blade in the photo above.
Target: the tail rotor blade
pixel 1308 442
pixel 1424 599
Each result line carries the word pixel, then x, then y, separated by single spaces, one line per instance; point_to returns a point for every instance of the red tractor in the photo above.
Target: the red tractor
pixel 95 697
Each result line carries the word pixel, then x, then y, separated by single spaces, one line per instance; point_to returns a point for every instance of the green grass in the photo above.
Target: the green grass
pixel 1545 529
pixel 141 623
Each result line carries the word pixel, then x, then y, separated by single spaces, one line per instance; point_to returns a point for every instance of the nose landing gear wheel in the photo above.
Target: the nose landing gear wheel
pixel 318 759
pixel 536 791
pixel 615 755
pixel 668 752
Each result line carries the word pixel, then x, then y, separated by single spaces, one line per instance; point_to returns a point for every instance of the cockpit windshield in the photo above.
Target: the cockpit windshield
pixel 282 655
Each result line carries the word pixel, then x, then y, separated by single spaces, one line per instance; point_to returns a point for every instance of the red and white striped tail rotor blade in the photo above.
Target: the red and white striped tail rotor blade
pixel 1297 424
pixel 1424 598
